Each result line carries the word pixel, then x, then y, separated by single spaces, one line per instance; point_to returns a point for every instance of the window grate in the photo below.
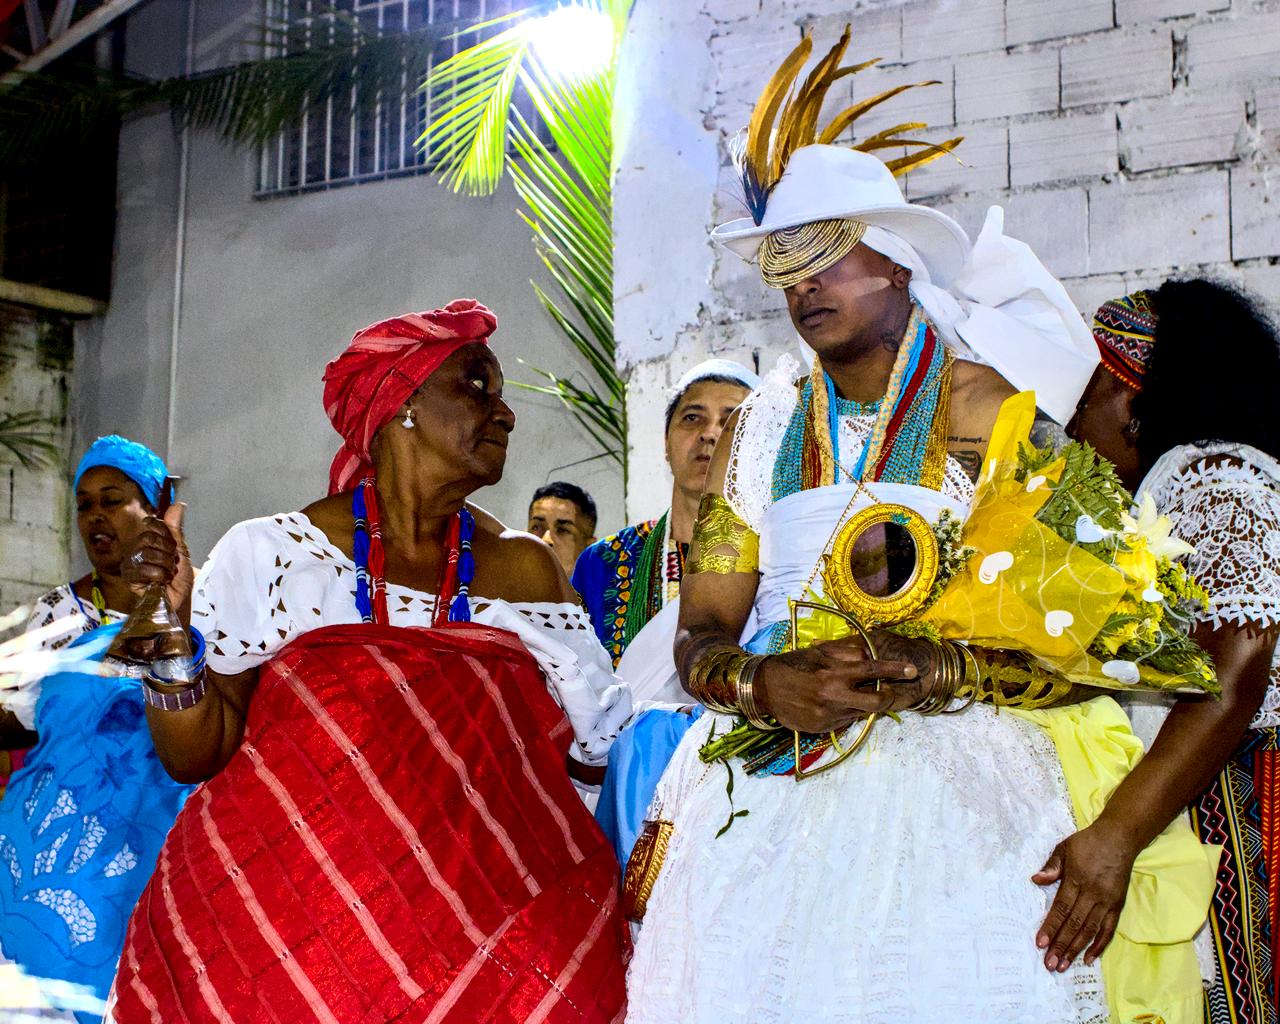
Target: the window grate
pixel 334 143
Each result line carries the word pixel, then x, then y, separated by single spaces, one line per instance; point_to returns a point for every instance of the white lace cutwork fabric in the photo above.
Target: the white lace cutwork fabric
pixel 1225 501
pixel 894 888
pixel 58 605
pixel 272 579
pixel 762 422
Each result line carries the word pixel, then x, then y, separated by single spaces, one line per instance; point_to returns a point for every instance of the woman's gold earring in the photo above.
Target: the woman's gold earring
pixel 407 422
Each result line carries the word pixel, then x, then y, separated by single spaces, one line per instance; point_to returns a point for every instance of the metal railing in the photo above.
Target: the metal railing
pixel 339 143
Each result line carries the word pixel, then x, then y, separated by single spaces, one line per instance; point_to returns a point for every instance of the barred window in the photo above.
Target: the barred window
pixel 344 143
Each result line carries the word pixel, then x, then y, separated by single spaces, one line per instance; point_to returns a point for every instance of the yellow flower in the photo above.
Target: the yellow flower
pixel 1138 562
pixel 1155 530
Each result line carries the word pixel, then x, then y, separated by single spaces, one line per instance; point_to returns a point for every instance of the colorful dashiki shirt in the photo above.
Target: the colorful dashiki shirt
pixel 626 579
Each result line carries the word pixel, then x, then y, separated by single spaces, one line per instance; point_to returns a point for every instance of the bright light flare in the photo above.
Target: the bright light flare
pixel 573 41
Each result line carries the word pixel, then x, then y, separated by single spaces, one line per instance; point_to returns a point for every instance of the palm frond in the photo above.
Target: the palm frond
pixel 25 437
pixel 247 103
pixel 478 135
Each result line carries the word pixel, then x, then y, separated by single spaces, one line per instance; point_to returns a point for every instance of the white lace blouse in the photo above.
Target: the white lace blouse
pixel 272 579
pixel 1224 499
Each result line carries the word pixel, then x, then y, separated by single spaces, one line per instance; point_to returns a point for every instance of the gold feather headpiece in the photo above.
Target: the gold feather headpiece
pixel 786 118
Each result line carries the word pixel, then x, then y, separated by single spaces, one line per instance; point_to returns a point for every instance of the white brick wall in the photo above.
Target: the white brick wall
pixel 1158 223
pixel 1180 130
pixel 1231 52
pixel 1004 84
pixel 1118 165
pixel 1120 64
pixel 1255 213
pixel 1062 147
pixel 1266 108
pixel 946 28
pixel 35 504
pixel 1031 21
pixel 1131 12
pixel 875 33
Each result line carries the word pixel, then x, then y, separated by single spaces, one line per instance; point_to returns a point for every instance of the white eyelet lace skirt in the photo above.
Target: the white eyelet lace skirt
pixel 894 888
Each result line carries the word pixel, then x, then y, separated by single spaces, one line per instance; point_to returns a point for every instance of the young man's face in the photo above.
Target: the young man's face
pixel 560 523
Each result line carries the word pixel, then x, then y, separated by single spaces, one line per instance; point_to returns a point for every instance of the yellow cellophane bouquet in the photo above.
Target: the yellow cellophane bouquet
pixel 1063 571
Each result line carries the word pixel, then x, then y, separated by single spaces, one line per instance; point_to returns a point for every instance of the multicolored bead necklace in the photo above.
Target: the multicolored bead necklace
pixel 907 443
pixel 457 568
pixel 658 573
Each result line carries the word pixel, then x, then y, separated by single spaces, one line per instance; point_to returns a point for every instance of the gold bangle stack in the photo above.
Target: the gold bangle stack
pixel 950 679
pixel 747 696
pixel 723 679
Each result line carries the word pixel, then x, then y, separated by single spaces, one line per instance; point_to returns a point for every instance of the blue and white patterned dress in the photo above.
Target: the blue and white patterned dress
pixel 81 823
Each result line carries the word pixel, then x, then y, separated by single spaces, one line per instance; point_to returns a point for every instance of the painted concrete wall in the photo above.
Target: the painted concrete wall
pixel 274 288
pixel 1127 139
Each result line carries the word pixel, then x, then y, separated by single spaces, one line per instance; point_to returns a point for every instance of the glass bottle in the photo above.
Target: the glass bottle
pixel 153 641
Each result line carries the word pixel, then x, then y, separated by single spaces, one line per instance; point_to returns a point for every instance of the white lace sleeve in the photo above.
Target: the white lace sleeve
pixel 229 602
pixel 578 671
pixel 1226 503
pixel 762 422
pixel 55 621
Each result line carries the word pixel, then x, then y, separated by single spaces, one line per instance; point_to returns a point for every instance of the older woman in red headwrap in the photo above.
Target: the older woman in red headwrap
pixel 387 831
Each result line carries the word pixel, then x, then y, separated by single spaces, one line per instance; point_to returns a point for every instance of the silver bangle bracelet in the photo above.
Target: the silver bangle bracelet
pixel 179 700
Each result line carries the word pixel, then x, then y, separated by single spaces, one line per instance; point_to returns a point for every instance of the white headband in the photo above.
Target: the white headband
pixel 716 368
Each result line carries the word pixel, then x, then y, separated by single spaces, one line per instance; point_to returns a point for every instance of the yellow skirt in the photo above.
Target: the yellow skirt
pixel 1149 969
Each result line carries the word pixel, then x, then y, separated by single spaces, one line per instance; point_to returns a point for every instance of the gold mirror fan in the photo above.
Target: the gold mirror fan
pixel 881 570
pixel 883 564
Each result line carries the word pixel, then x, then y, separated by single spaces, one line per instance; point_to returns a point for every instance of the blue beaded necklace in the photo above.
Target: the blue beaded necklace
pixel 457 568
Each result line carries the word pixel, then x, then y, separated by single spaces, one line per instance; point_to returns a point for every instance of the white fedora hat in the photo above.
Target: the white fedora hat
pixel 832 183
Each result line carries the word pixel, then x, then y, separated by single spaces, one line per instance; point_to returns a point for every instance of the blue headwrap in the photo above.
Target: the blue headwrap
pixel 136 461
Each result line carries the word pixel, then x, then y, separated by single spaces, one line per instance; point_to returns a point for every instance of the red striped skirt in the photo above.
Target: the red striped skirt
pixel 395 840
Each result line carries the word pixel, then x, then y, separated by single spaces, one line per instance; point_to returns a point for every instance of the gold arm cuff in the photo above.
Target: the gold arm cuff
pixel 722 542
pixel 1011 679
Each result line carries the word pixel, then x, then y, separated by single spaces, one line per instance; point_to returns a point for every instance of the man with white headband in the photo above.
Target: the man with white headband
pixel 896 886
pixel 628 578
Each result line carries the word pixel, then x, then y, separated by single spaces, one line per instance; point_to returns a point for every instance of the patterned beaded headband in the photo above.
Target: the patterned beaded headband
pixel 789 255
pixel 1125 331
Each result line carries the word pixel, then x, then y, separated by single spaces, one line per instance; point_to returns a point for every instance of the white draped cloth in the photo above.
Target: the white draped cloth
pixel 895 887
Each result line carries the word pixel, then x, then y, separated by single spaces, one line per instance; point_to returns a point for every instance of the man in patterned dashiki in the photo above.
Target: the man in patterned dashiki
pixel 628 578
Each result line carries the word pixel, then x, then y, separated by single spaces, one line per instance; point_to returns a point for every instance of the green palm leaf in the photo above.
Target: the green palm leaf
pixel 25 437
pixel 478 134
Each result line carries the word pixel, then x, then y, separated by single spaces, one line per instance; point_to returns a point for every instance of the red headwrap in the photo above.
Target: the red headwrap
pixel 385 364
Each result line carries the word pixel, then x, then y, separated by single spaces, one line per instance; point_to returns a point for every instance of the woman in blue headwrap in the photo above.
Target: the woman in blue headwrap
pixel 83 819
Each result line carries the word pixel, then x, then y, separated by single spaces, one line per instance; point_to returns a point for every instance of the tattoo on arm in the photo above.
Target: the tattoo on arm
pixel 970 458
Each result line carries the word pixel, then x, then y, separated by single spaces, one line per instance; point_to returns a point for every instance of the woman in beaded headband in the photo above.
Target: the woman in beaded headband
pixel 1184 405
